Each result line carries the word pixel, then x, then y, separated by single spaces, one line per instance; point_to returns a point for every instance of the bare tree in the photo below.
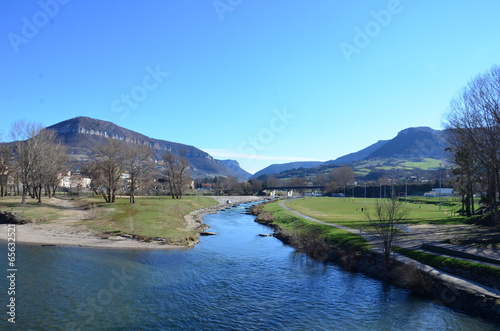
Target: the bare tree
pixel 299 181
pixel 137 162
pixel 176 173
pixel 108 169
pixel 337 178
pixel 56 167
pixel 342 176
pixel 5 157
pixel 39 159
pixel 95 172
pixel 272 181
pixel 229 185
pixel 467 172
pixel 50 162
pixel 386 222
pixel 474 124
pixel 27 152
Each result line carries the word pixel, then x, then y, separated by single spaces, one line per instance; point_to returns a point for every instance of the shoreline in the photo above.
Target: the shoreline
pixel 67 235
pixel 444 288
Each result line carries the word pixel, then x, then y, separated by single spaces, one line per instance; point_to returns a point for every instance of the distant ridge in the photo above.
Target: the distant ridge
pixel 81 134
pixel 277 168
pixel 359 155
pixel 410 143
pixel 413 142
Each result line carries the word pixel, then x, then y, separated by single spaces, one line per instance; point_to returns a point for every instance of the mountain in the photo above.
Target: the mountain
pixel 359 155
pixel 81 134
pixel 418 144
pixel 277 168
pixel 235 167
pixel 413 142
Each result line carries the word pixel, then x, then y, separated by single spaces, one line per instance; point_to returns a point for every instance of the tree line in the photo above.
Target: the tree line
pixel 36 161
pixel 120 166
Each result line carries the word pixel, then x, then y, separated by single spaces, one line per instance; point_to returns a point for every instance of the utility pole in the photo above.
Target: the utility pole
pixel 440 188
pixel 365 195
pixel 406 189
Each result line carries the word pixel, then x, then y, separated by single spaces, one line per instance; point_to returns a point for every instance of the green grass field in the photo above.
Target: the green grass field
pixel 350 212
pixel 32 210
pixel 290 222
pixel 150 216
pixel 426 164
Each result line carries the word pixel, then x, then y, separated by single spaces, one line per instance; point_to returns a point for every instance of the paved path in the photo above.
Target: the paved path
pixel 371 238
pixel 458 282
pixel 434 234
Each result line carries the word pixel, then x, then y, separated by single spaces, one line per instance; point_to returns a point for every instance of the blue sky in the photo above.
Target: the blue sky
pixel 258 81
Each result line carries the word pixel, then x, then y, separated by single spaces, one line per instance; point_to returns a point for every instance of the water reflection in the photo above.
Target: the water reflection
pixel 233 281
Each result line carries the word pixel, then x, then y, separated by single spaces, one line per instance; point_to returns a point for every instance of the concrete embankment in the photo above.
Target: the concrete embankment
pixel 445 288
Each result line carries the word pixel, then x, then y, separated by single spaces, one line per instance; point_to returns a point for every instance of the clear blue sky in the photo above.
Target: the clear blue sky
pixel 258 81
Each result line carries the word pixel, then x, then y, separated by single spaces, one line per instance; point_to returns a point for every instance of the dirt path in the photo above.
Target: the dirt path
pixel 69 228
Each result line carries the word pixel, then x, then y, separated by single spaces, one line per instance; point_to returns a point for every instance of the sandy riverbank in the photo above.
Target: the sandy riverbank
pixel 65 231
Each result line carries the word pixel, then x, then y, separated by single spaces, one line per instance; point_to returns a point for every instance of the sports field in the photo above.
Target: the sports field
pixel 351 212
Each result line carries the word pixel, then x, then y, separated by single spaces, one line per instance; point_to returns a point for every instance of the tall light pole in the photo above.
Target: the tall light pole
pixel 406 189
pixel 440 188
pixel 365 195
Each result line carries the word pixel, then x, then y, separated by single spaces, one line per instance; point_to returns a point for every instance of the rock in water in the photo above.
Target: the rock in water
pixel 207 233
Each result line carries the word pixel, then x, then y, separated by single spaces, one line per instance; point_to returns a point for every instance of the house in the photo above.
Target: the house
pixel 440 192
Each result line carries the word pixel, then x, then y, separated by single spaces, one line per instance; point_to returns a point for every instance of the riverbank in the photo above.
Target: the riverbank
pixel 69 229
pixel 317 239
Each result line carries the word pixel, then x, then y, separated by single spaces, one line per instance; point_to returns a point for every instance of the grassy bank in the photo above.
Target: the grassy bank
pixel 456 266
pixel 301 227
pixel 448 263
pixel 149 217
pixel 348 249
pixel 32 211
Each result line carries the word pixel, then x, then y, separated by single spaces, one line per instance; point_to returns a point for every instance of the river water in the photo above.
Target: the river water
pixel 235 280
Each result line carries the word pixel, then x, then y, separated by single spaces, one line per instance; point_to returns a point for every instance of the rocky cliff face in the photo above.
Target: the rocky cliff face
pixel 81 134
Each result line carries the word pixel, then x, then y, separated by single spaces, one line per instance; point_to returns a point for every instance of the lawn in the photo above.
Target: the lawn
pixel 161 217
pixel 426 164
pixel 290 222
pixel 350 212
pixel 32 210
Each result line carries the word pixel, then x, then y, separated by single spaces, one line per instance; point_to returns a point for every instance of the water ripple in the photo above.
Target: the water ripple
pixel 233 281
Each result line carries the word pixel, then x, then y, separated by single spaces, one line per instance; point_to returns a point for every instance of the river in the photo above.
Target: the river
pixel 235 280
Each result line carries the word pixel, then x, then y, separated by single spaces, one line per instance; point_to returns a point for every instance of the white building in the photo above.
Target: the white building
pixel 443 192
